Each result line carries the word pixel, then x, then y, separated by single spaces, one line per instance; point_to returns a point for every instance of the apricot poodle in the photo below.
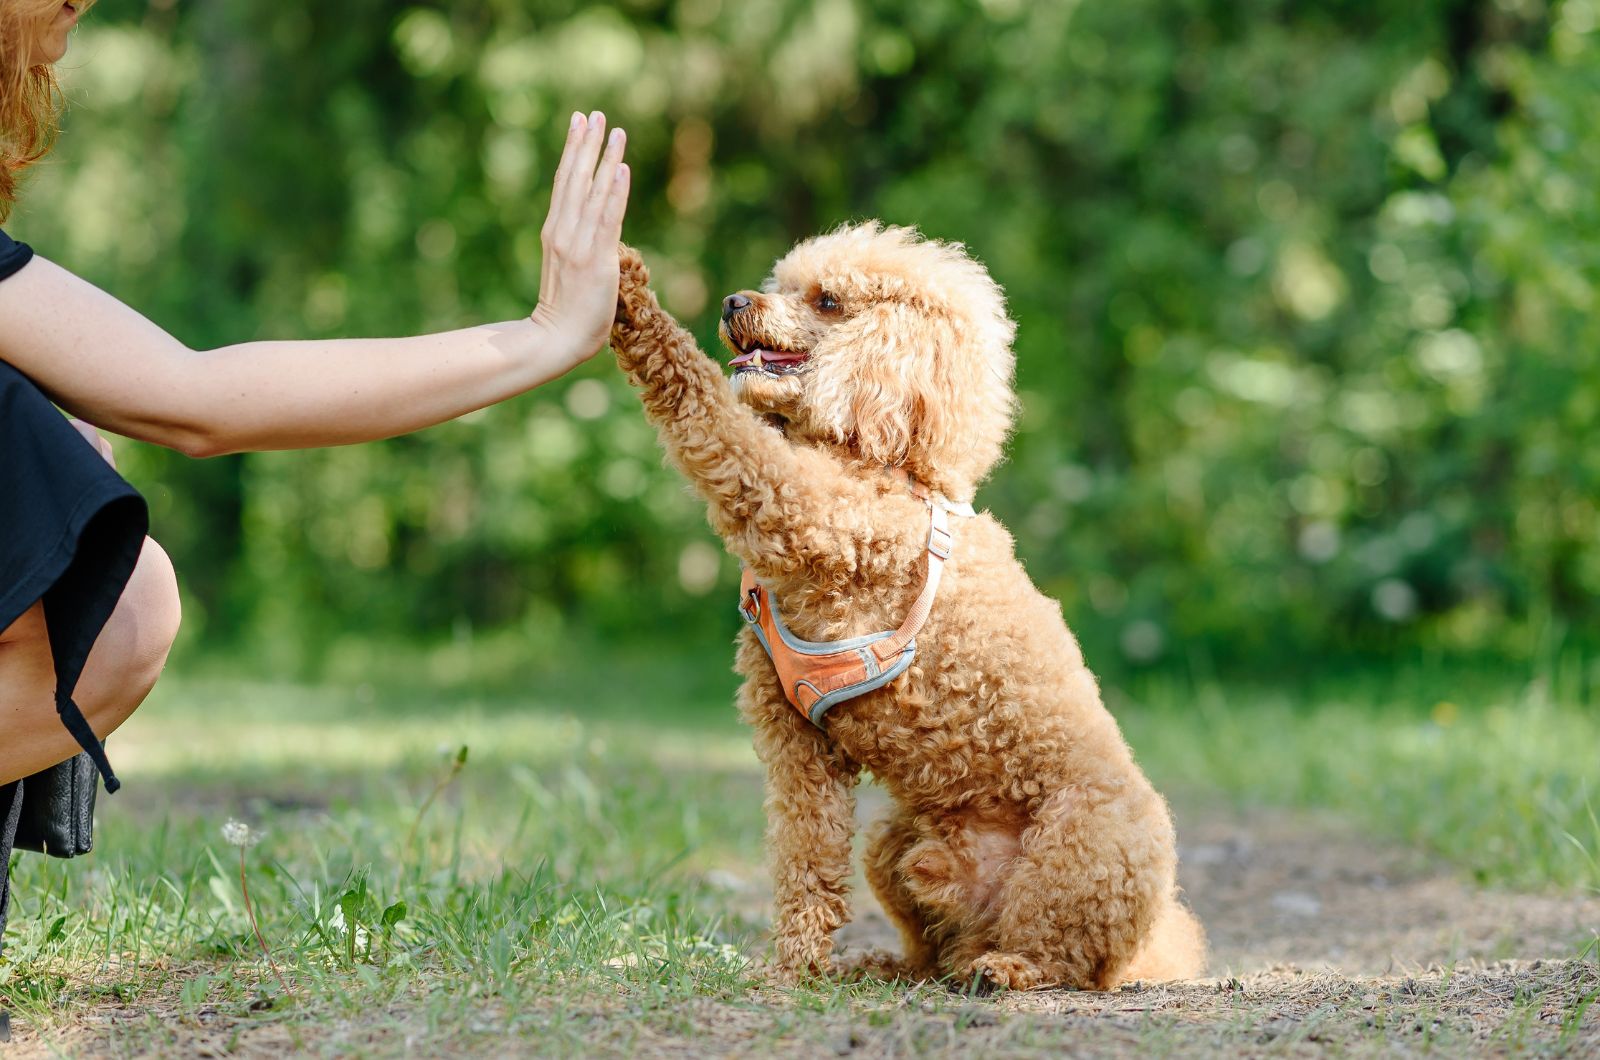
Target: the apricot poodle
pixel 873 383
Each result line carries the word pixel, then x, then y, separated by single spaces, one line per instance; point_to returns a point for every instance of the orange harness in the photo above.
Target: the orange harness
pixel 817 675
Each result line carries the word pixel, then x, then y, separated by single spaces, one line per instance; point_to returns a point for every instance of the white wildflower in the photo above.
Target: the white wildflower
pixel 238 834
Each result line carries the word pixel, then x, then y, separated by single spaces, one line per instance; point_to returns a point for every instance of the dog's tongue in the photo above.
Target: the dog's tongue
pixel 759 357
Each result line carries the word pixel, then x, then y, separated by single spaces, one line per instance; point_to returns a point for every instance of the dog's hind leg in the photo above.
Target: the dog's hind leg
pixel 891 839
pixel 1096 871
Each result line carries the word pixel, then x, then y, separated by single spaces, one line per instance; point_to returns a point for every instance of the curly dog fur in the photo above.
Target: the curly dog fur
pixel 1025 847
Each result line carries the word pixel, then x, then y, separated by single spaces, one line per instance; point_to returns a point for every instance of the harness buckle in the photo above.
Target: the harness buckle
pixel 750 606
pixel 941 542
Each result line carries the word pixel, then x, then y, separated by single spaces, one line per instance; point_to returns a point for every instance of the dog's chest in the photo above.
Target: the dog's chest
pixel 823 615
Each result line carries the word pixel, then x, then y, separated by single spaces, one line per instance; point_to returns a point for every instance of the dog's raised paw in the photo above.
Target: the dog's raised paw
pixel 631 263
pixel 633 284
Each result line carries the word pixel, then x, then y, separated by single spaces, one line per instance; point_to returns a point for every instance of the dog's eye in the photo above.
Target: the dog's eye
pixel 827 303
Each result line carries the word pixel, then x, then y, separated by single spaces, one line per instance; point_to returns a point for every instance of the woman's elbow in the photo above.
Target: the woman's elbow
pixel 200 444
pixel 190 437
pixel 186 420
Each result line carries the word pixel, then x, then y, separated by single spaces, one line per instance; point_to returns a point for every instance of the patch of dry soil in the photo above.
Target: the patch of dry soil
pixel 1277 889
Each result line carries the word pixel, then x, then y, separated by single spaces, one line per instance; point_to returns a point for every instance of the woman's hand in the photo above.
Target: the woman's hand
pixel 94 438
pixel 578 273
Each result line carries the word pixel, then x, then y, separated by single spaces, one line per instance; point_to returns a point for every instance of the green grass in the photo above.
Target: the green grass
pixel 567 858
pixel 1498 776
pixel 591 878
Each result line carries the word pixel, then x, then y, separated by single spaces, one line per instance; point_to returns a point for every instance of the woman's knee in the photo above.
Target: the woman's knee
pixel 132 649
pixel 145 623
pixel 123 666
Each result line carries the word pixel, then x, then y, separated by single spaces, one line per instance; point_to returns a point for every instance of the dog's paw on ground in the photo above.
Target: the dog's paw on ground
pixel 1007 971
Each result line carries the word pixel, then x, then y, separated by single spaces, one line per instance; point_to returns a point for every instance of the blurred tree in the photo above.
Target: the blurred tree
pixel 1306 292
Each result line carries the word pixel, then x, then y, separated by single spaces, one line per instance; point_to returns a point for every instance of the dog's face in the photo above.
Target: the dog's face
pixel 896 348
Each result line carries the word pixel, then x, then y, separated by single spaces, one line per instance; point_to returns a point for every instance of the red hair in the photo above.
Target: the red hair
pixel 30 102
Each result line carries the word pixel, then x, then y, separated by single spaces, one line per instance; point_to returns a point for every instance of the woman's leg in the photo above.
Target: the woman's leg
pixel 122 668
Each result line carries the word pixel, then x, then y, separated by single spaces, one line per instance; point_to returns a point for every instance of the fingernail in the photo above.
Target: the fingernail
pixel 622 173
pixel 577 120
pixel 595 117
pixel 616 137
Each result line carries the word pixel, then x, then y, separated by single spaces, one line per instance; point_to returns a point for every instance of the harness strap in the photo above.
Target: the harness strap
pixel 940 544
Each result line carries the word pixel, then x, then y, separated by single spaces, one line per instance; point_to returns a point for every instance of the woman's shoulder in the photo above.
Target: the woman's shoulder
pixel 13 255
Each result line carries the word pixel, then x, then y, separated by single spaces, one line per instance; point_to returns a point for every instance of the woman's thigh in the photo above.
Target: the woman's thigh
pixel 122 668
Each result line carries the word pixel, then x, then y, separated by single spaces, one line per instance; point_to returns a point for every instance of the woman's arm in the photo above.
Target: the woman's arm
pixel 106 363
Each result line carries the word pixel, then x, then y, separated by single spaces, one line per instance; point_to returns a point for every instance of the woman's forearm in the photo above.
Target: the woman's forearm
pixel 114 368
pixel 297 395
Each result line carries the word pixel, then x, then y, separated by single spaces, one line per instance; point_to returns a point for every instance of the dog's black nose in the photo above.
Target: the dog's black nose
pixel 733 303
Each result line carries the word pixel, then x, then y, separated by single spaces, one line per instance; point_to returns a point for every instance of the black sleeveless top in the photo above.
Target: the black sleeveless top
pixel 13 255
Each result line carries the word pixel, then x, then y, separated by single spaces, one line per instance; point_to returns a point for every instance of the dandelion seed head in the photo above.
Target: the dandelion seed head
pixel 238 834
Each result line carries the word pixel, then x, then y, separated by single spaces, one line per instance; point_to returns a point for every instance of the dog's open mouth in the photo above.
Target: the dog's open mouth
pixel 770 362
pixel 752 356
pixel 757 353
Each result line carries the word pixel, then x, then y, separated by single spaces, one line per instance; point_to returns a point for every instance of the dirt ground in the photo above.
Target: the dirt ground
pixel 1324 942
pixel 1277 889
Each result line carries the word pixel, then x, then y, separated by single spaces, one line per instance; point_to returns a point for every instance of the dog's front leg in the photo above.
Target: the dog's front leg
pixel 773 503
pixel 810 819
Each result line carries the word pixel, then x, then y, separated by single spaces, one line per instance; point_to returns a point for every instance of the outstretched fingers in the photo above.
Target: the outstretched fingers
pixel 567 216
pixel 577 130
pixel 605 179
pixel 616 205
pixel 590 192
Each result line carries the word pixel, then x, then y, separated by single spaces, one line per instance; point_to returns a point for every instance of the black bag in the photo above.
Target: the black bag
pixel 58 814
pixel 51 812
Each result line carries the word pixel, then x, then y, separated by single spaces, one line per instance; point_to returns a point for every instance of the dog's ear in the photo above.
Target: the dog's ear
pixel 911 386
pixel 868 391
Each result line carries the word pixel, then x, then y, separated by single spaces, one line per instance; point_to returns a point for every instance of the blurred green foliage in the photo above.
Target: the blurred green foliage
pixel 1307 294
